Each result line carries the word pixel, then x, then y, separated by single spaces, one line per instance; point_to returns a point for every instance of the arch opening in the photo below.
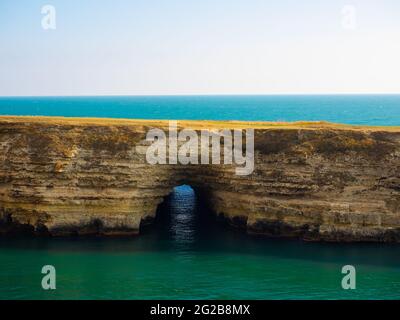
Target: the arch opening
pixel 178 214
pixel 182 218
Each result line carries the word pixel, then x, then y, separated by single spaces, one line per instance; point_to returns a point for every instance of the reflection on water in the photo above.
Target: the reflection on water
pixel 178 216
pixel 187 255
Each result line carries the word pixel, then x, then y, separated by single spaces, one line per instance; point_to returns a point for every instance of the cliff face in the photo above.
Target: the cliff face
pixel 312 181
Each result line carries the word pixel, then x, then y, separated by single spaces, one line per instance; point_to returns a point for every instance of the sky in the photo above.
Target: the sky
pixel 157 47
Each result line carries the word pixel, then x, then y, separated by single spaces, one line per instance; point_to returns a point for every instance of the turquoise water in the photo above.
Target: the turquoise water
pixel 351 109
pixel 187 255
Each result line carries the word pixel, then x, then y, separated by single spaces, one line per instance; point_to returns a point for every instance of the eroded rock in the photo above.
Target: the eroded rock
pixel 313 181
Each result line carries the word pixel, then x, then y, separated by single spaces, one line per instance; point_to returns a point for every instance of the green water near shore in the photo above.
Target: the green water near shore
pixel 187 256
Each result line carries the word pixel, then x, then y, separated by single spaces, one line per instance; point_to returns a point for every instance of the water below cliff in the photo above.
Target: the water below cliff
pixel 186 255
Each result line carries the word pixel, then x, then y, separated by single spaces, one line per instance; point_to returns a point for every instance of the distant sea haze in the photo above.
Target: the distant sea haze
pixel 380 110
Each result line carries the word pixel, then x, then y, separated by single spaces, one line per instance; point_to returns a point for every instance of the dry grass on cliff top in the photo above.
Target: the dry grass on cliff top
pixel 193 124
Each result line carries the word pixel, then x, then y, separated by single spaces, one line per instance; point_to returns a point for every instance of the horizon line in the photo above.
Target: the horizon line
pixel 204 94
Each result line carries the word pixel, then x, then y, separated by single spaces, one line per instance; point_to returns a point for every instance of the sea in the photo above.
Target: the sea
pixel 186 254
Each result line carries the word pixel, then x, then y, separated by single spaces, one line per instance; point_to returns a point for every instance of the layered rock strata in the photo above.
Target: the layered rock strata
pixel 314 181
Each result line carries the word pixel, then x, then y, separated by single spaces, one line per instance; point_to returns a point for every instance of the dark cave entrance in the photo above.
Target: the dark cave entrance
pixel 182 217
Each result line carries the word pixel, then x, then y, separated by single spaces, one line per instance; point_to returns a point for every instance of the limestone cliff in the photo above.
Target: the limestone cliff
pixel 314 181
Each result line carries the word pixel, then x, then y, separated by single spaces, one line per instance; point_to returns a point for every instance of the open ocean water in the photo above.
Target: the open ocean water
pixel 185 255
pixel 382 110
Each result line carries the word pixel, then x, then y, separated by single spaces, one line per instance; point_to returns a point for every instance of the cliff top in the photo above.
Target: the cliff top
pixel 193 124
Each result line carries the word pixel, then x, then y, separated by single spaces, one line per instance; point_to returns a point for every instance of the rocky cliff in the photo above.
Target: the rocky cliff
pixel 314 181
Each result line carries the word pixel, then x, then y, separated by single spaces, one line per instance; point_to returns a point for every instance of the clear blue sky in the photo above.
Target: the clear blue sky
pixel 199 47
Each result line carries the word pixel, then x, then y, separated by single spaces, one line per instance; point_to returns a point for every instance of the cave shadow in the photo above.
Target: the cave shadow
pixel 183 217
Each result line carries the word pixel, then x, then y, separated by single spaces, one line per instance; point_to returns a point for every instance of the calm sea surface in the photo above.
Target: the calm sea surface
pixel 186 255
pixel 352 109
